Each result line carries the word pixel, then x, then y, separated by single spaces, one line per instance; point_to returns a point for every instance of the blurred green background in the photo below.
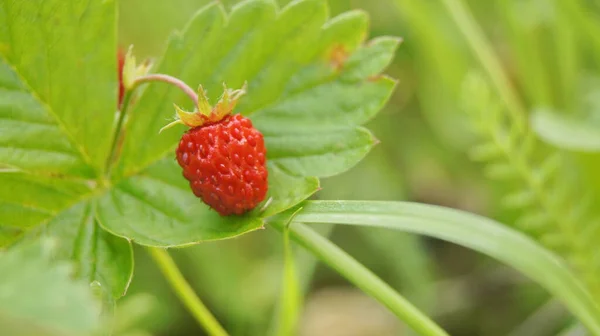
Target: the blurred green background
pixel 548 50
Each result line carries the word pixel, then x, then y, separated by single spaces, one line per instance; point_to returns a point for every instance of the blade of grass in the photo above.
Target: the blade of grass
pixel 566 54
pixel 436 75
pixel 485 53
pixel 527 50
pixel 583 18
pixel 472 231
pixel 358 274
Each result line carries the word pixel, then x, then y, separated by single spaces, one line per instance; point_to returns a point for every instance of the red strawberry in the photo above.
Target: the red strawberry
pixel 223 156
pixel 120 64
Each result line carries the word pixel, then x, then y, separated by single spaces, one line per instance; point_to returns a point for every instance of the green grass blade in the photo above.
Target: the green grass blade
pixel 526 46
pixel 488 59
pixel 471 231
pixel 363 278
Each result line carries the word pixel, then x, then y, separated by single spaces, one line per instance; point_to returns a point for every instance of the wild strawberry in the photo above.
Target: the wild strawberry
pixel 120 64
pixel 223 156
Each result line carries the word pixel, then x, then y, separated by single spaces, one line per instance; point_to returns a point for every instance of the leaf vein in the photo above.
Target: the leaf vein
pixel 61 126
pixel 151 205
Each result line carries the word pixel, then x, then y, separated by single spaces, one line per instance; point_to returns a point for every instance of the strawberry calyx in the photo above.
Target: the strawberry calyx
pixel 205 113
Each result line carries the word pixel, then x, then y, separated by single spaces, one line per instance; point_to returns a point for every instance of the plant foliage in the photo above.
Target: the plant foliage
pixel 312 82
pixel 38 296
pixel 72 176
pixel 552 208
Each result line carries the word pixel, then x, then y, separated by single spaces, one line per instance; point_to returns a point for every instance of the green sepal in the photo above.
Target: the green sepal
pixel 228 101
pixel 207 113
pixel 191 119
pixel 203 105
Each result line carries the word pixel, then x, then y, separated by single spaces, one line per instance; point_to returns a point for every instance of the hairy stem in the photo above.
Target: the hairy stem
pixel 185 292
pixel 170 80
pixel 127 101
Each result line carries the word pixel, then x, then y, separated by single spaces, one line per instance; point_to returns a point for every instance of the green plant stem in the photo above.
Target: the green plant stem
pixel 305 266
pixel 362 277
pixel 477 41
pixel 127 101
pixel 169 80
pixel 118 130
pixel 291 300
pixel 185 292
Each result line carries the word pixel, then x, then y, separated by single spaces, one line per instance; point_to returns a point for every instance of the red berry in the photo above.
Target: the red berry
pixel 224 162
pixel 120 64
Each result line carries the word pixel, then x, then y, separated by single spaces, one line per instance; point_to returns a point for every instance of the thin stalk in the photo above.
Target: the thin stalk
pixel 122 113
pixel 362 277
pixel 291 299
pixel 185 292
pixel 305 266
pixel 127 101
pixel 482 49
pixel 170 80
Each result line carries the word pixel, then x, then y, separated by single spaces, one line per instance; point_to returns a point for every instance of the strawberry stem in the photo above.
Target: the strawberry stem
pixel 170 80
pixel 118 130
pixel 127 101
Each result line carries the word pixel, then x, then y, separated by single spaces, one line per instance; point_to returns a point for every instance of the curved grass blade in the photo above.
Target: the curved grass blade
pixel 475 232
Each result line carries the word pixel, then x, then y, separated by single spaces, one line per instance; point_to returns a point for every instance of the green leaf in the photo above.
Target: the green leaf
pixel 38 297
pixel 26 201
pixel 308 77
pixel 97 255
pixel 156 208
pixel 58 97
pixel 30 138
pixel 58 83
pixel 371 59
pixel 468 230
pixel 286 190
pixel 37 206
pixel 312 83
pixel 566 132
pixel 323 155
